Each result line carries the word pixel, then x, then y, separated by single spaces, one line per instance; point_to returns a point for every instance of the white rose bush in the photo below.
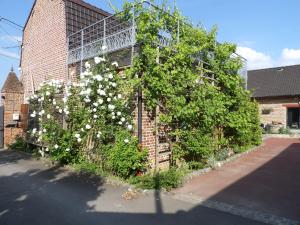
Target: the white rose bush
pixel 90 119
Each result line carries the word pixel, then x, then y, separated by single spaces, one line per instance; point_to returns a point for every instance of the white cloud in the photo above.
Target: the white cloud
pixel 290 56
pixel 256 60
pixel 9 54
pixel 260 60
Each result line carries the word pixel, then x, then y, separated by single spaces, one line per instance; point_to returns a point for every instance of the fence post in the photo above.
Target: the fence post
pixel 81 53
pixel 133 35
pixel 104 35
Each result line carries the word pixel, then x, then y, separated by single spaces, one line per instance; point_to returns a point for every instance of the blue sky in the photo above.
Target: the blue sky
pixel 267 32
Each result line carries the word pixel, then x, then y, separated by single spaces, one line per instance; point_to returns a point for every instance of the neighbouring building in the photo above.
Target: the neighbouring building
pixel 12 97
pixel 277 90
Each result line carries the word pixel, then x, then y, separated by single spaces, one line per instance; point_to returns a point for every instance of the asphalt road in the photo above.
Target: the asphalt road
pixel 32 193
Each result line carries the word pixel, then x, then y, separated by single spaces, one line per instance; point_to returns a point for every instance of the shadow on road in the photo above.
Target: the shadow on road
pixel 54 197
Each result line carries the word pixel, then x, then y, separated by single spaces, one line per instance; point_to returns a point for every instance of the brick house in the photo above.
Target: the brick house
pixel 277 91
pixel 60 34
pixel 12 97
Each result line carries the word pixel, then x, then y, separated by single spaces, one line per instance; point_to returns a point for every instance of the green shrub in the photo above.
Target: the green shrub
pixel 18 144
pixel 167 180
pixel 283 130
pixel 89 167
pixel 222 154
pixel 124 158
pixel 196 146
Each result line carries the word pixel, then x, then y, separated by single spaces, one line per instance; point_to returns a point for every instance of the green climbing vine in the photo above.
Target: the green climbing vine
pixel 189 81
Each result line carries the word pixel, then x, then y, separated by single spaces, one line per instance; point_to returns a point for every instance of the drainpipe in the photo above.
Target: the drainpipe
pixel 140 114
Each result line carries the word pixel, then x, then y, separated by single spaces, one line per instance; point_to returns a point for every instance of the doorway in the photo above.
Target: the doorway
pixel 293 118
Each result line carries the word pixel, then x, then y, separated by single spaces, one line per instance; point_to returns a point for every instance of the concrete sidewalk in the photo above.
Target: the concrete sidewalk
pixel 266 180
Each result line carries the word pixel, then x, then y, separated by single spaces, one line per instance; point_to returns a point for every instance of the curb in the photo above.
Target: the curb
pixel 219 164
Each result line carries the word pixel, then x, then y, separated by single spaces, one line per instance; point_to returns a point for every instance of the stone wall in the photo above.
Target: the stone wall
pixel 278 109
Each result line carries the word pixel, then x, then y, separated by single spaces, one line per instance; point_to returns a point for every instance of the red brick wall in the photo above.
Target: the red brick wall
pixel 44 52
pixel 12 104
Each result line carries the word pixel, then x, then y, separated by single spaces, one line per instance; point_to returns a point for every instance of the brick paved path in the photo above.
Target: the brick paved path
pixel 266 180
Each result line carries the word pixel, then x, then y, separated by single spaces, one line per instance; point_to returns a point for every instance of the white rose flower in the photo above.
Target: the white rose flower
pixel 99 78
pixel 47 93
pixel 113 117
pixel 102 92
pixel 56 146
pixel 77 135
pixel 100 101
pixel 119 113
pixel 79 140
pixel 110 76
pixel 120 122
pixel 110 94
pixel 126 140
pixel 114 84
pixel 119 96
pixel 108 99
pixel 47 149
pixel 95 104
pixel 67 149
pixel 33 130
pixel 60 110
pixel 111 107
pixel 97 60
pixel 87 100
pixel 94 110
pixel 44 130
pixel 48 116
pixel 129 127
pixel 67 112
pixel 88 127
pixel 32 115
pixel 95 116
pixel 123 119
pixel 87 65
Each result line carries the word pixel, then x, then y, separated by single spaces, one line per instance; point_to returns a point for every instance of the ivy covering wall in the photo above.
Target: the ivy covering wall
pixel 192 85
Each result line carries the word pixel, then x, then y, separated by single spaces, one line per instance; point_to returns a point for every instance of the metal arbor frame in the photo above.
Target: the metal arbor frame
pixel 109 35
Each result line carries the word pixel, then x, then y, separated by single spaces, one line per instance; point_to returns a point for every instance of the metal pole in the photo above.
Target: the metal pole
pixel 104 35
pixel 68 48
pixel 81 54
pixel 133 35
pixel 140 114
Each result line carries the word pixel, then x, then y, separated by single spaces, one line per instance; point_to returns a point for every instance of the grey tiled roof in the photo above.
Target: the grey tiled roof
pixel 275 82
